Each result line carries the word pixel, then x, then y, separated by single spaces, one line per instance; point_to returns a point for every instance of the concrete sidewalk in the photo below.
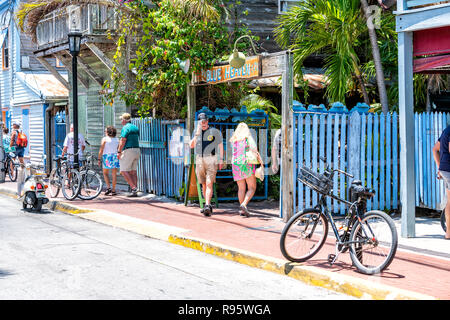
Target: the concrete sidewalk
pixel 420 269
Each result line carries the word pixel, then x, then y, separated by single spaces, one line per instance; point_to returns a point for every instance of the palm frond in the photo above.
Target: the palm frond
pixel 198 9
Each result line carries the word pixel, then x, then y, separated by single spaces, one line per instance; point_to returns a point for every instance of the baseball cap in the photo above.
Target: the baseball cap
pixel 125 116
pixel 202 116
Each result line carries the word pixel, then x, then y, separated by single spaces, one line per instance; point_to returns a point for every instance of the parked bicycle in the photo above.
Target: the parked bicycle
pixel 91 182
pixel 370 237
pixel 64 178
pixel 10 166
pixel 88 181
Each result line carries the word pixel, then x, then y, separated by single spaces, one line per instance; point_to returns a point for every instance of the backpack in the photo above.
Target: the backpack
pixel 21 140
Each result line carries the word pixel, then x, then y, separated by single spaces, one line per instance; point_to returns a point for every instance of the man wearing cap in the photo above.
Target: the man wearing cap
pixel 208 149
pixel 129 153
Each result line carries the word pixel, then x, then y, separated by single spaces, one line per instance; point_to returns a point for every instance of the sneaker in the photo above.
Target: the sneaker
pixel 244 211
pixel 108 192
pixel 133 193
pixel 207 210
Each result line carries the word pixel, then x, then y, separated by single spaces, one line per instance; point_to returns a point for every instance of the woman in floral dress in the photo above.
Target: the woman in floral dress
pixel 107 156
pixel 243 165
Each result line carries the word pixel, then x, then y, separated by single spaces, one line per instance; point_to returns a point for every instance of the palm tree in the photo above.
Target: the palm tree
pixel 376 58
pixel 199 9
pixel 331 27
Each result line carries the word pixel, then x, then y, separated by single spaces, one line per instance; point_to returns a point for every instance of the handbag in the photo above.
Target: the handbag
pixel 259 173
pixel 250 156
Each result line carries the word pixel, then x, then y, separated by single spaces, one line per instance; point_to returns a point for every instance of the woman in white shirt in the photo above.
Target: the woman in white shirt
pixel 107 156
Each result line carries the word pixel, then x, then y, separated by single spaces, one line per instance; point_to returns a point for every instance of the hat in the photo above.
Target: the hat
pixel 16 124
pixel 202 116
pixel 125 116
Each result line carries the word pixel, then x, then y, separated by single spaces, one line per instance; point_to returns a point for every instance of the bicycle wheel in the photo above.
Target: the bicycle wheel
pixel 304 235
pixel 373 242
pixel 70 185
pixel 54 183
pixel 443 222
pixel 91 185
pixel 12 171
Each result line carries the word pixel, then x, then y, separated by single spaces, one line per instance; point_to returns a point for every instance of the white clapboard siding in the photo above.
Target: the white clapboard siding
pixel 36 133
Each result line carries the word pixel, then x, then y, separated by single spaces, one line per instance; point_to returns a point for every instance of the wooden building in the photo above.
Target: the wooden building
pixel 30 95
pixel 423 28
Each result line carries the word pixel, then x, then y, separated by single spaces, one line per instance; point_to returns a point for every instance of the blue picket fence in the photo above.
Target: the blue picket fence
pixel 363 144
pixel 161 166
pixel 430 192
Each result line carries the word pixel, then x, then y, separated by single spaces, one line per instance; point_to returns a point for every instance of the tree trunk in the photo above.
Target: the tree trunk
pixel 360 80
pixel 376 58
pixel 363 87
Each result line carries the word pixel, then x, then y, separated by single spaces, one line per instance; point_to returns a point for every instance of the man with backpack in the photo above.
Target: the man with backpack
pixel 19 141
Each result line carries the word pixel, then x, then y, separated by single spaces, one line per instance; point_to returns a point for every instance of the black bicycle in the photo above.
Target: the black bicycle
pixel 370 237
pixel 64 178
pixel 91 182
pixel 10 166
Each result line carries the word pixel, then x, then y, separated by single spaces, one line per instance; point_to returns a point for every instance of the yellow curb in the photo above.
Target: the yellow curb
pixel 8 193
pixel 352 286
pixel 63 207
pixel 144 227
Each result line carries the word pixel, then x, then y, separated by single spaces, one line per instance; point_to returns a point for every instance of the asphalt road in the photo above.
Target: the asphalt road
pixel 51 255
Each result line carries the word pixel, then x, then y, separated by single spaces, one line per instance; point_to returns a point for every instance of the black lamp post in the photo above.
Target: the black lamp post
pixel 74 48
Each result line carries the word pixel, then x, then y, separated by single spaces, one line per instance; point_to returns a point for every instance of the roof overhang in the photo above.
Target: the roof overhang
pixel 423 18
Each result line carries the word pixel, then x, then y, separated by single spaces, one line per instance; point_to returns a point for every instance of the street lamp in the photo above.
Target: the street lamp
pixel 74 48
pixel 237 59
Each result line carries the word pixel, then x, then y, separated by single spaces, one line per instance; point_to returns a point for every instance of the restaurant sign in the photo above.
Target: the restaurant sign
pixel 226 73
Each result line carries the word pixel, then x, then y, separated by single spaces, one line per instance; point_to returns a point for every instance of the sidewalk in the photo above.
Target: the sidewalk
pixel 420 269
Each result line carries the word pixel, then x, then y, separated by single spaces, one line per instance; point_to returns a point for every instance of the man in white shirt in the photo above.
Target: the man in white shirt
pixel 68 145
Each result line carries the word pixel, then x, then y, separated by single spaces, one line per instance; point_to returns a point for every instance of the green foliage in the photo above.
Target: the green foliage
pixel 334 28
pixel 164 33
pixel 254 101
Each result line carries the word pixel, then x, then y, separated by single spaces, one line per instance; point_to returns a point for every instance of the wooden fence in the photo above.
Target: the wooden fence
pixel 161 166
pixel 365 145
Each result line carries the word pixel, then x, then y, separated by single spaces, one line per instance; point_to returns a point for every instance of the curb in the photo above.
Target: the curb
pixel 356 287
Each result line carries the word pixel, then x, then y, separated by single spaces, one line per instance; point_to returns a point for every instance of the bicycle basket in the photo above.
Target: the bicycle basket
pixel 316 181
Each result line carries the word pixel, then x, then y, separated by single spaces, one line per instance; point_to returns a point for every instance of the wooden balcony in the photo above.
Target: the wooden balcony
pixel 91 20
pixel 415 15
pixel 415 4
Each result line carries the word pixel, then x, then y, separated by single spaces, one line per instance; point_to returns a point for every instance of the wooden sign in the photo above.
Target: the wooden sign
pixel 226 73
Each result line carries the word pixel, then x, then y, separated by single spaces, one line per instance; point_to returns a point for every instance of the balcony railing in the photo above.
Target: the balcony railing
pixel 415 4
pixel 90 19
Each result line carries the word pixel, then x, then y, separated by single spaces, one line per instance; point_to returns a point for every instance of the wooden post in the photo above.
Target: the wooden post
pixel 406 129
pixel 191 108
pixel 53 71
pixel 287 195
pixel 354 145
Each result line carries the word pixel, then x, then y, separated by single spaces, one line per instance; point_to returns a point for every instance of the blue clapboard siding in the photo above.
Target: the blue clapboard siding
pixel 375 162
pixel 158 172
pixel 430 192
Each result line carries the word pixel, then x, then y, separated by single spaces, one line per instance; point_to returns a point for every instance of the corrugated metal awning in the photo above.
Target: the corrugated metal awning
pixel 46 84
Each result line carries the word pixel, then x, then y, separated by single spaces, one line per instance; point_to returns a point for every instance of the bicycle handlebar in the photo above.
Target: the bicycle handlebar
pixel 337 170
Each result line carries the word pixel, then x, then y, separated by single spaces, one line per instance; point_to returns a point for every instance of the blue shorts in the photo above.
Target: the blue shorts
pixel 20 151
